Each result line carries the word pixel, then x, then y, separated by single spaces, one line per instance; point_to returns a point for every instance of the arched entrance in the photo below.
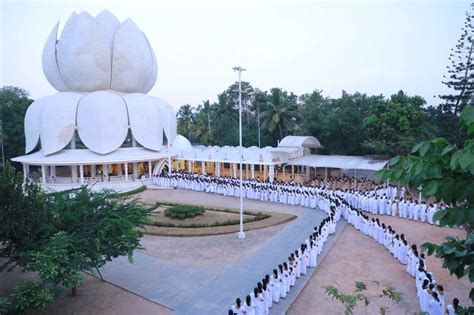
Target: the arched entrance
pixel 160 166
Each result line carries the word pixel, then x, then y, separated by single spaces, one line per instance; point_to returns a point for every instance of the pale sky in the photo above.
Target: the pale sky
pixel 374 47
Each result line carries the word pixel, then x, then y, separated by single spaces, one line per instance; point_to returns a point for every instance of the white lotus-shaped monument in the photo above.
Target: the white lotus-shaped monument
pixel 102 70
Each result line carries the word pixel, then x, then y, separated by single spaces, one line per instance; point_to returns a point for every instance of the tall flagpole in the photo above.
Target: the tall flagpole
pixel 241 233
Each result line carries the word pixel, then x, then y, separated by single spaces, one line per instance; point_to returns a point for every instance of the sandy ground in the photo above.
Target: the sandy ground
pixel 92 297
pixel 215 250
pixel 357 257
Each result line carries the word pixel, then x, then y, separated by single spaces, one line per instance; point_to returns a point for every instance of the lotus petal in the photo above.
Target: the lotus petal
pixel 58 121
pixel 145 115
pixel 132 60
pixel 110 23
pixel 153 74
pixel 50 64
pixel 102 121
pixel 83 54
pixel 172 125
pixel 32 124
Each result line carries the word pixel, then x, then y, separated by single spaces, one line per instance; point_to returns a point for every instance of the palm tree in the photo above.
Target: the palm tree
pixel 185 119
pixel 278 113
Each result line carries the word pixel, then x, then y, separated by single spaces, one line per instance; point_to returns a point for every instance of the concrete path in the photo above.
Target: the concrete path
pixel 211 290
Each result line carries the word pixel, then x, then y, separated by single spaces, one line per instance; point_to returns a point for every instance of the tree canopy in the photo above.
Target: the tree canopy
pixel 59 235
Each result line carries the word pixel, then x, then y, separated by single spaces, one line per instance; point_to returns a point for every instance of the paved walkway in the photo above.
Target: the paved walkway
pixel 211 290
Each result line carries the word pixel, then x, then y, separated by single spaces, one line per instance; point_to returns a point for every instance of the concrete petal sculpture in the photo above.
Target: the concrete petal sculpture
pixel 102 117
pixel 99 54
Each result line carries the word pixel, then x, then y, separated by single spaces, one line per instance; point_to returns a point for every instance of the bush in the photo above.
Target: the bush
pixel 182 212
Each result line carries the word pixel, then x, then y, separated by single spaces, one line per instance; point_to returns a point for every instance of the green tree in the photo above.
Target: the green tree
pixel 350 301
pixel 14 102
pixel 460 70
pixel 446 172
pixel 280 114
pixel 59 235
pixel 185 120
pixel 394 126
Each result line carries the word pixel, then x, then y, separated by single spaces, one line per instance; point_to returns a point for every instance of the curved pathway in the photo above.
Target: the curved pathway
pixel 210 290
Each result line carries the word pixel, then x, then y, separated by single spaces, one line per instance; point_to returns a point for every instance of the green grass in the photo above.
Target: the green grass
pixel 182 212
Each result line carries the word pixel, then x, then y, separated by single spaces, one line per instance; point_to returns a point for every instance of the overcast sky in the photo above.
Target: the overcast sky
pixel 374 47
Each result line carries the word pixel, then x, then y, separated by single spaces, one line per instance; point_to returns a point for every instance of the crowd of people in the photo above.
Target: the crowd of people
pixel 278 284
pixel 336 199
pixel 431 294
pixel 368 196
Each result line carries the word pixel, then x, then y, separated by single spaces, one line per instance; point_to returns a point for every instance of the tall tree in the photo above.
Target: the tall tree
pixel 185 120
pixel 460 70
pixel 14 102
pixel 280 114
pixel 396 125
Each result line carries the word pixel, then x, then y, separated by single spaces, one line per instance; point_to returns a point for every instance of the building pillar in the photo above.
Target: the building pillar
pixel 119 169
pixel 252 171
pixel 271 173
pixel 284 168
pixel 81 173
pixel 149 169
pixel 126 171
pixel 52 170
pixel 265 173
pixel 135 170
pixel 43 174
pixel 246 171
pixel 190 167
pixel 325 173
pixel 292 171
pixel 219 169
pixel 74 173
pixel 308 172
pixel 25 175
pixel 234 166
pixel 203 167
pixel 93 171
pixel 105 171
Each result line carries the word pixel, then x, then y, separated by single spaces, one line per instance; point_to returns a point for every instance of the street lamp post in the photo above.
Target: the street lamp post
pixel 241 233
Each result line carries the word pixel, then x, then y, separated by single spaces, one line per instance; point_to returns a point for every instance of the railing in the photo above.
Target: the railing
pixel 96 184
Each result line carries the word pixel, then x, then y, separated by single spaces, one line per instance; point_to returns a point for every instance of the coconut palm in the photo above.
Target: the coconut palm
pixel 185 119
pixel 278 113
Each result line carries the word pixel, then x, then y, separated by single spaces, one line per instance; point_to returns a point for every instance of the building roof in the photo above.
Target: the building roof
pixel 299 142
pixel 87 157
pixel 340 161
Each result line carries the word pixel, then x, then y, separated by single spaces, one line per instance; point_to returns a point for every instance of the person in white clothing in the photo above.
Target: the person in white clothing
pixel 249 307
pixel 435 307
pixel 453 308
pixel 237 308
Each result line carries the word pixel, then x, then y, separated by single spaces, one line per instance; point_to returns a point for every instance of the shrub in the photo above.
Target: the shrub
pixel 182 212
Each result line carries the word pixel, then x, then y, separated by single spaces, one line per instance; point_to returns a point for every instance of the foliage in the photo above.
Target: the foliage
pixel 58 235
pixel 14 102
pixel 394 126
pixel 446 172
pixel 4 305
pixel 280 113
pixel 353 124
pixel 350 301
pixel 182 212
pixel 31 294
pixel 128 193
pixel 460 70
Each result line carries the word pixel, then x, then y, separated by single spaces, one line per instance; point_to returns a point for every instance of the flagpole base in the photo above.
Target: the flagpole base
pixel 241 234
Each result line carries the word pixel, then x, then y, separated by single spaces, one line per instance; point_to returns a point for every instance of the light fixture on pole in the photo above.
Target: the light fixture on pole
pixel 241 233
